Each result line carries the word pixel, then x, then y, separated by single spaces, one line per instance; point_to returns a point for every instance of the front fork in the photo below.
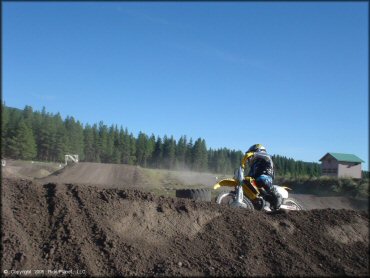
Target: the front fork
pixel 238 201
pixel 240 194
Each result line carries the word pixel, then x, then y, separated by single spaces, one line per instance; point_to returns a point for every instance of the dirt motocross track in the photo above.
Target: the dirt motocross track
pixel 98 231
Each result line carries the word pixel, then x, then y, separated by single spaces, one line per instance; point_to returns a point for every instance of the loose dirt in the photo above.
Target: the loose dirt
pixel 29 169
pixel 127 176
pixel 97 231
pixel 100 174
pixel 99 219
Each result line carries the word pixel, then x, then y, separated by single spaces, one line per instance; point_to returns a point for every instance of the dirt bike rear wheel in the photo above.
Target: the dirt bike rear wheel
pixel 228 197
pixel 293 202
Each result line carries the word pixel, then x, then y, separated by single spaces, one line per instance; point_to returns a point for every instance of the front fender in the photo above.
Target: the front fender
pixel 226 182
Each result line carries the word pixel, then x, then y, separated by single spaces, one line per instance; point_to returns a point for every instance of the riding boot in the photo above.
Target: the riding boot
pixel 277 199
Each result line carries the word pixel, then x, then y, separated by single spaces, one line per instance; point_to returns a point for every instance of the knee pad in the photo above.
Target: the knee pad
pixel 265 182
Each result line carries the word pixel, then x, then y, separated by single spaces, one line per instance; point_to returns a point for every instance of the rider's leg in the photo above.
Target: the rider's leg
pixel 265 182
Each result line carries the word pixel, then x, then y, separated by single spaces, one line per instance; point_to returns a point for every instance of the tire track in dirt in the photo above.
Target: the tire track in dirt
pixel 96 234
pixel 122 232
pixel 21 202
pixel 61 228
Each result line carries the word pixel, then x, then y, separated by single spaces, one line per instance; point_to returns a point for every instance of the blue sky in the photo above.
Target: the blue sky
pixel 290 75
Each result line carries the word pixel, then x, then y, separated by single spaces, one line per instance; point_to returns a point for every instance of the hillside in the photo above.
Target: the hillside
pixel 160 182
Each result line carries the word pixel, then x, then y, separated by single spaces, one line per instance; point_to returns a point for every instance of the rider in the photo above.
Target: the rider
pixel 262 170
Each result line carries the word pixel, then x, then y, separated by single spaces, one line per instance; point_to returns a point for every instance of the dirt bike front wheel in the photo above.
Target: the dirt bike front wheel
pixel 292 203
pixel 229 197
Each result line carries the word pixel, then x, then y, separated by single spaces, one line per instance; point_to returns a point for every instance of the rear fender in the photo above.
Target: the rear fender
pixel 282 190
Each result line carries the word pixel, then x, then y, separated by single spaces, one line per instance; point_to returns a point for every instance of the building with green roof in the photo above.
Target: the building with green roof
pixel 341 165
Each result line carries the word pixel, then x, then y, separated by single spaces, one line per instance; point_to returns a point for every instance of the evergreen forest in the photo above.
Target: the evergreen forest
pixel 43 136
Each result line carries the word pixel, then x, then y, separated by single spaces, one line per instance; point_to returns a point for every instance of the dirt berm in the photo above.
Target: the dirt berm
pixel 109 232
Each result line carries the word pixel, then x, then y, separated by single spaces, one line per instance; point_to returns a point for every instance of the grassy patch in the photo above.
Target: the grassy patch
pixel 328 186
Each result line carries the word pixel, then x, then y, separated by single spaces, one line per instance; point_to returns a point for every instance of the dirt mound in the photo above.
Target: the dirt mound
pixel 86 229
pixel 162 182
pixel 104 175
pixel 122 175
pixel 29 169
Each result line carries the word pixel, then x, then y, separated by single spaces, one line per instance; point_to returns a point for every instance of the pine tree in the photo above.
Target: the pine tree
pixel 121 145
pixel 211 156
pixel 27 145
pixel 12 149
pixel 75 137
pixel 189 154
pixel 200 159
pixel 116 156
pixel 96 144
pixel 103 142
pixel 140 149
pixel 22 144
pixel 181 152
pixel 4 128
pixel 169 152
pixel 89 150
pixel 14 117
pixel 235 158
pixel 125 146
pixel 204 153
pixel 61 141
pixel 108 150
pixel 150 149
pixel 132 148
pixel 27 132
pixel 47 138
pixel 28 115
pixel 158 153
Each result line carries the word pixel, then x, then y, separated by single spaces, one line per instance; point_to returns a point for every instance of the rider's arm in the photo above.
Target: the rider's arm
pixel 245 158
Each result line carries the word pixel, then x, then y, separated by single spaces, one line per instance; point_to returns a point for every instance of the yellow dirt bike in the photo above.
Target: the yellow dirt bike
pixel 247 195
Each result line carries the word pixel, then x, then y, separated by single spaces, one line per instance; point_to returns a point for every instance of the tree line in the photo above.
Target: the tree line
pixel 43 136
